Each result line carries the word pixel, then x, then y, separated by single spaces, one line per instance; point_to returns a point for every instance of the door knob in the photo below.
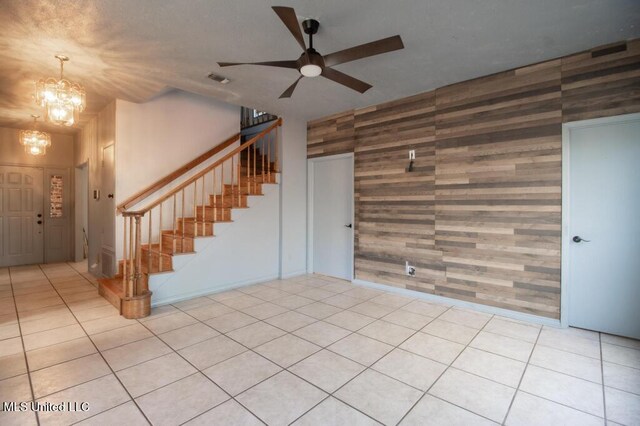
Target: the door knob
pixel 578 239
pixel 39 214
pixel 39 222
pixel 348 226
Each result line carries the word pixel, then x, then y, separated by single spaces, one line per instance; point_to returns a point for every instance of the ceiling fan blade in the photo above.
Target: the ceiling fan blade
pixel 288 16
pixel 364 51
pixel 279 64
pixel 287 93
pixel 345 80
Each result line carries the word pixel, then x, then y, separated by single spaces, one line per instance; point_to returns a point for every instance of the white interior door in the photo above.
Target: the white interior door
pixel 21 216
pixel 332 216
pixel 604 227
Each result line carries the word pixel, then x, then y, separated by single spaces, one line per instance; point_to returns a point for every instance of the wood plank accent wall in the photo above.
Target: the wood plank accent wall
pixel 480 215
pixel 498 189
pixel 330 135
pixel 395 210
pixel 602 82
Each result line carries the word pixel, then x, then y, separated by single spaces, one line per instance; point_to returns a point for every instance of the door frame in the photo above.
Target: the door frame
pixel 311 162
pixel 565 284
pixel 80 203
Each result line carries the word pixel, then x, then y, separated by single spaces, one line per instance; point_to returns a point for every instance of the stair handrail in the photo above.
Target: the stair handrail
pixel 250 167
pixel 165 180
pixel 209 168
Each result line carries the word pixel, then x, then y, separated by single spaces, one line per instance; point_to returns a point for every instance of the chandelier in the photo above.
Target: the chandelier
pixel 62 99
pixel 34 141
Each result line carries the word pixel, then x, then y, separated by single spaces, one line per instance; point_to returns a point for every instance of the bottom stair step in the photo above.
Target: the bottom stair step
pixel 132 308
pixel 111 289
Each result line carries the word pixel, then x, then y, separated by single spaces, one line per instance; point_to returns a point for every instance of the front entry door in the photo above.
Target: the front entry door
pixel 21 216
pixel 604 227
pixel 332 217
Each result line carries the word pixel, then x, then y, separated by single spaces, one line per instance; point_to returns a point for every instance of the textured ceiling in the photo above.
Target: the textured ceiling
pixel 136 49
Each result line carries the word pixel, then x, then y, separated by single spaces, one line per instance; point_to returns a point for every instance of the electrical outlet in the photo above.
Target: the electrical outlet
pixel 409 270
pixel 412 154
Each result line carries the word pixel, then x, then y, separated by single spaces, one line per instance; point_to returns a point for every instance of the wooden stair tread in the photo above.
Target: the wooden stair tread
pixel 114 284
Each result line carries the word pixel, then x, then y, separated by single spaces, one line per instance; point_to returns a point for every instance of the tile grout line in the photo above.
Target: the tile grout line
pixel 604 394
pixel 103 358
pixel 199 371
pixel 263 301
pixel 327 347
pixel 24 351
pixel 290 372
pixel 332 394
pixel 450 365
pixel 521 377
pixel 560 403
pixel 367 367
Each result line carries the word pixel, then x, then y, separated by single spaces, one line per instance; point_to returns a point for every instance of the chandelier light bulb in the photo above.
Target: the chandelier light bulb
pixel 36 150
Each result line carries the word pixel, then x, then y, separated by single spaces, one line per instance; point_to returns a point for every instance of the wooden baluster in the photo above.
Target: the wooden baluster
pixel 262 158
pixel 269 157
pixel 275 152
pixel 125 281
pixel 195 216
pixel 149 245
pixel 254 168
pixel 204 213
pixel 182 211
pixel 160 239
pixel 232 191
pixel 175 222
pixel 138 266
pixel 222 184
pixel 248 169
pixel 131 257
pixel 215 196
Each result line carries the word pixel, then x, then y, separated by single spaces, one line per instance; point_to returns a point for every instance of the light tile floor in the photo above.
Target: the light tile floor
pixel 310 350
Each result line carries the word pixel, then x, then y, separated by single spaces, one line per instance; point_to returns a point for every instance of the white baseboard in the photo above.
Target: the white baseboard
pixel 293 274
pixel 213 290
pixel 520 316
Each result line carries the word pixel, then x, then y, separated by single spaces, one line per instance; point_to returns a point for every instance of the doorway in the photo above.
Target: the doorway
pixel 81 226
pixel 601 231
pixel 330 242
pixel 21 216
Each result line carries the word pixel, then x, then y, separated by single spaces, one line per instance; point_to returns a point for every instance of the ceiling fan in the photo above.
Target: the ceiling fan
pixel 312 64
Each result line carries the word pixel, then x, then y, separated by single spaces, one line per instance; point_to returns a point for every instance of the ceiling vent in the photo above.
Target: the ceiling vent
pixel 218 78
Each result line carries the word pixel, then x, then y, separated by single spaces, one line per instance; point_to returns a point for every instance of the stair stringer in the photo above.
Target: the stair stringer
pixel 243 252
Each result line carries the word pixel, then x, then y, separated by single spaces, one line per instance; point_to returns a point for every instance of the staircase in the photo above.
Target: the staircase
pixel 169 225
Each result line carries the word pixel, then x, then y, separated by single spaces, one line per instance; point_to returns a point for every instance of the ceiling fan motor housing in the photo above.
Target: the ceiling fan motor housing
pixel 310 26
pixel 310 57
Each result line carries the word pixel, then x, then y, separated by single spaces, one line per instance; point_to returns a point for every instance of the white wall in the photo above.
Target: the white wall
pixel 242 252
pixel 293 226
pixel 60 154
pixel 97 134
pixel 159 136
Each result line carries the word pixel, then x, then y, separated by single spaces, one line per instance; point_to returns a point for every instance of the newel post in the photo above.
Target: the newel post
pixel 137 300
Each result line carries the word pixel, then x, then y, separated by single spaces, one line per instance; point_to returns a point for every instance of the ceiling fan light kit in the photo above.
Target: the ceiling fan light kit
pixel 313 64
